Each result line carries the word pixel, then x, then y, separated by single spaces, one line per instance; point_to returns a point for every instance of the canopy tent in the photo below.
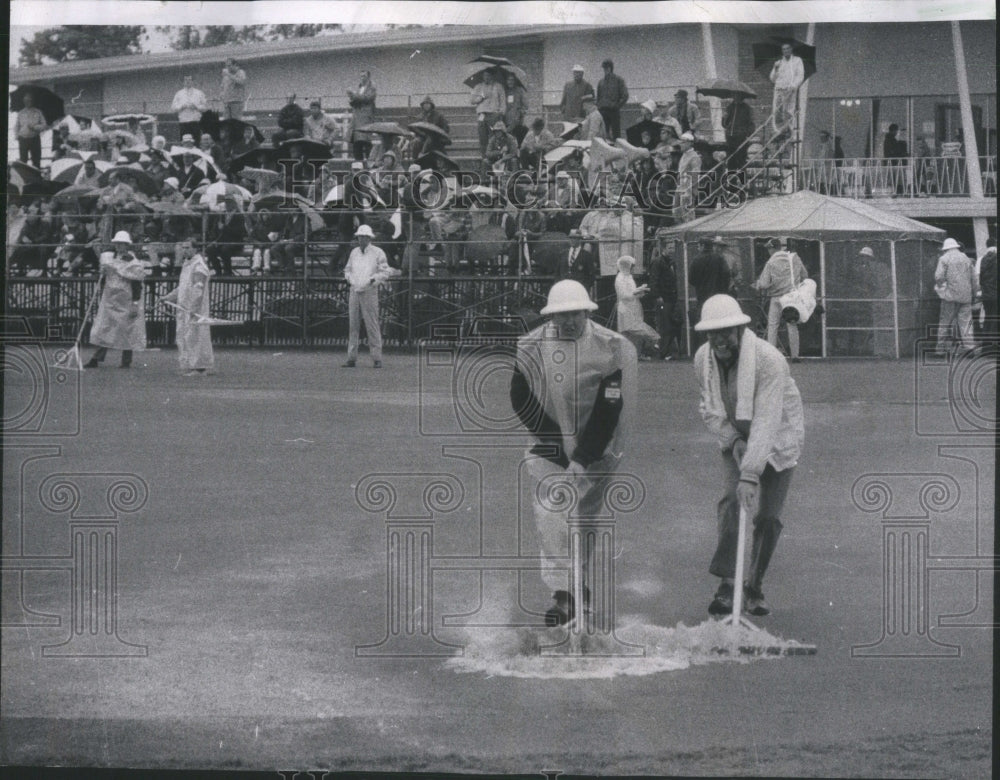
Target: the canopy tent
pixel 811 217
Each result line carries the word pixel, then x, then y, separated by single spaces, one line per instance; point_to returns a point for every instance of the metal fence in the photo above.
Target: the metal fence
pixel 907 177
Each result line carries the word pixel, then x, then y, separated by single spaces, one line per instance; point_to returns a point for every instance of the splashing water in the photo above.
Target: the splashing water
pixel 509 653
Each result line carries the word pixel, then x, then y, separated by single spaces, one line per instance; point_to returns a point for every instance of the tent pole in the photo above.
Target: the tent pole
pixel 687 316
pixel 822 296
pixel 895 297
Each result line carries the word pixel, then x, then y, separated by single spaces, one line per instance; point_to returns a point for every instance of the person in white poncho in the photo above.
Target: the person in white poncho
pixel 119 323
pixel 194 338
pixel 751 403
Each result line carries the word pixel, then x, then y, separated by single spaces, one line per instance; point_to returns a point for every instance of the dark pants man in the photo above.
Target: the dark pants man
pixel 33 147
pixel 102 352
pixel 668 326
pixel 766 523
pixel 612 122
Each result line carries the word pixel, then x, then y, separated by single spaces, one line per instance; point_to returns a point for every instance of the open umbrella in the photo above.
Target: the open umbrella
pixel 67 168
pixel 21 173
pixel 78 192
pixel 237 127
pixel 490 59
pixel 311 150
pixel 264 177
pixel 276 200
pixel 728 88
pixel 476 71
pixel 42 188
pixel 137 177
pixel 385 128
pixel 569 129
pixel 46 101
pixel 437 161
pixel 338 192
pixel 634 134
pixel 258 157
pixel 430 128
pixel 216 192
pixel 122 120
pixel 767 53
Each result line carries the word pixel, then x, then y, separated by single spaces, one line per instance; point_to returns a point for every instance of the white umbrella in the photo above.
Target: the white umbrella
pixel 67 169
pixel 223 190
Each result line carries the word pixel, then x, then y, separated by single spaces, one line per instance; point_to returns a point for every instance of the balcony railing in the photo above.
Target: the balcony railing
pixel 919 177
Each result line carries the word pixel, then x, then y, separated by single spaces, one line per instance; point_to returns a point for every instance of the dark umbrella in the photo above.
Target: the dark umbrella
pixel 476 71
pixel 21 174
pixel 385 128
pixel 237 127
pixel 767 53
pixel 122 120
pixel 277 200
pixel 634 134
pixel 43 188
pixel 258 157
pixel 728 88
pixel 430 128
pixel 437 161
pixel 78 192
pixel 311 150
pixel 491 60
pixel 141 180
pixel 47 101
pixel 209 123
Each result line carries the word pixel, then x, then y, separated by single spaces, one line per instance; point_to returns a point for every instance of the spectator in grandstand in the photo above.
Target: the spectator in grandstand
pixel 234 90
pixel 189 175
pixel 685 113
pixel 62 146
pixel 593 123
pixel 490 101
pixel 362 102
pixel 291 120
pixel 119 322
pixel 501 149
pixel 28 125
pixel 571 104
pixel 738 125
pixel 208 145
pixel 787 75
pixel 88 176
pixel 367 268
pixel 194 338
pixel 430 114
pixel 612 96
pixel 688 169
pixel 245 144
pixel 317 126
pixel 515 108
pixel 189 103
pixel 35 243
pixel 536 143
pixel 231 229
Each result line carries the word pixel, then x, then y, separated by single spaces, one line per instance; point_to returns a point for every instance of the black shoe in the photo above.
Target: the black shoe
pixel 91 364
pixel 378 364
pixel 722 603
pixel 125 365
pixel 563 611
pixel 753 601
pixel 348 364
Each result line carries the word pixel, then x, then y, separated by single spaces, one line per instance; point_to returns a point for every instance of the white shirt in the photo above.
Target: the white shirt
pixel 366 268
pixel 189 102
pixel 788 74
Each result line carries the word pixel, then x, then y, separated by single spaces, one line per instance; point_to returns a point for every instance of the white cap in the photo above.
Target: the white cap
pixel 172 181
pixel 688 136
pixel 568 295
pixel 364 230
pixel 950 243
pixel 650 106
pixel 866 251
pixel 357 165
pixel 626 260
pixel 578 68
pixel 122 237
pixel 720 312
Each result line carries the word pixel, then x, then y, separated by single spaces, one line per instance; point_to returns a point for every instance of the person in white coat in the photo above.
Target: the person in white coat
pixel 628 311
pixel 574 388
pixel 787 75
pixel 367 268
pixel 752 405
pixel 119 323
pixel 194 338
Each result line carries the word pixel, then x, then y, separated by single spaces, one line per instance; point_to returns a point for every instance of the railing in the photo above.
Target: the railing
pixel 888 178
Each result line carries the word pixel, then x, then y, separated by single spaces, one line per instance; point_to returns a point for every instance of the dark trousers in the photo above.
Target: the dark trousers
pixel 766 523
pixel 361 149
pixel 612 122
pixel 33 147
pixel 192 128
pixel 669 333
pixel 990 323
pixel 102 352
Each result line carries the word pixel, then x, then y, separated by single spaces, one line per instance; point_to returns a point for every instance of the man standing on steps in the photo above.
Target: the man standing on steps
pixel 787 75
pixel 189 103
pixel 367 267
pixel 612 95
pixel 571 104
pixel 752 405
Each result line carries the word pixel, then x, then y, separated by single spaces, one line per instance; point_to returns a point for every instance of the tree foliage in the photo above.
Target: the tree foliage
pixel 186 37
pixel 80 42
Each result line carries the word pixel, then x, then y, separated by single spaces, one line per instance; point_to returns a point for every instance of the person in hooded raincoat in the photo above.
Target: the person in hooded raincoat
pixel 119 323
pixel 574 388
pixel 194 338
pixel 631 322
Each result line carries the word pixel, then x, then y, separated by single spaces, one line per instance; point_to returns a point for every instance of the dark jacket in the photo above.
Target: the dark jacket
pixel 709 275
pixel 662 277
